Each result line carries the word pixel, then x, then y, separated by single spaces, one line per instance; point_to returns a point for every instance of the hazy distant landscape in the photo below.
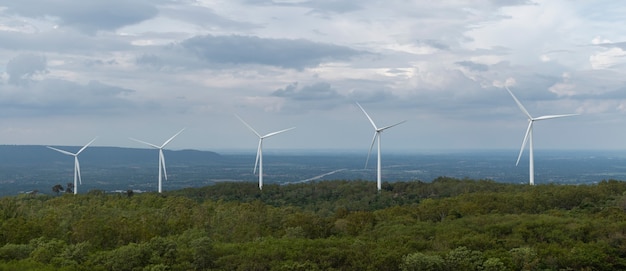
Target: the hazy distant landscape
pixel 27 168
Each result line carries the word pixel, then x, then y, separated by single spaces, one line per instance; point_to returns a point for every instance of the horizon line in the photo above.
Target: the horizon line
pixel 231 150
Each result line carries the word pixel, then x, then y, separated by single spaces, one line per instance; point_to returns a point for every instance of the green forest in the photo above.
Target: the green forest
pixel 446 224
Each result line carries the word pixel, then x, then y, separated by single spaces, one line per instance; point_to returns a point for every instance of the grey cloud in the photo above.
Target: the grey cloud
pixel 317 6
pixel 87 16
pixel 99 62
pixel 333 6
pixel 615 94
pixel 316 92
pixel 169 59
pixel 203 16
pixel 325 95
pixel 435 44
pixel 621 45
pixel 285 53
pixel 318 96
pixel 61 97
pixel 368 96
pixel 512 2
pixel 395 71
pixel 473 66
pixel 329 95
pixel 21 68
pixel 150 60
pixel 61 41
pixel 104 90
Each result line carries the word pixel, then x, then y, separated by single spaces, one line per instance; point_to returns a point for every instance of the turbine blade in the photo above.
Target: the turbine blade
pixel 77 168
pixel 248 125
pixel 162 158
pixel 368 116
pixel 555 116
pixel 84 147
pixel 281 131
pixel 371 147
pixel 387 127
pixel 61 151
pixel 143 142
pixel 528 131
pixel 258 153
pixel 168 141
pixel 519 104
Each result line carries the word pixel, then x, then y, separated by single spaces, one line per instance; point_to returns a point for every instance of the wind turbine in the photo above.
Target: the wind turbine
pixel 529 136
pixel 259 151
pixel 76 164
pixel 161 156
pixel 377 132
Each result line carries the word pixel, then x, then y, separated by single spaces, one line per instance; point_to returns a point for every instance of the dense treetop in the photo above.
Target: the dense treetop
pixel 446 224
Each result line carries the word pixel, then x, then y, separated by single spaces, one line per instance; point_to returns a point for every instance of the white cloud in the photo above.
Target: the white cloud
pixel 23 67
pixel 607 59
pixel 565 88
pixel 599 40
pixel 509 82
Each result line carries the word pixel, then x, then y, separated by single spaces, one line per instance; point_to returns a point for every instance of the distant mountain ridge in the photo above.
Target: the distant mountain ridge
pixel 16 155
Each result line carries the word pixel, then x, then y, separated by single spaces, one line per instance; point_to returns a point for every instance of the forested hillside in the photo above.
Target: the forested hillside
pixel 447 224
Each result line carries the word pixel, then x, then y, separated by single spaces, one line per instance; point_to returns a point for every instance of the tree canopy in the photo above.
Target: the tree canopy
pixel 446 224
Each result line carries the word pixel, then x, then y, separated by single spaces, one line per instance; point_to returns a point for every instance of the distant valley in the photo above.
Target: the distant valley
pixel 28 168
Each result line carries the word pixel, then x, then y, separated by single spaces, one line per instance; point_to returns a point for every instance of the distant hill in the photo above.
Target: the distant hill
pixel 33 155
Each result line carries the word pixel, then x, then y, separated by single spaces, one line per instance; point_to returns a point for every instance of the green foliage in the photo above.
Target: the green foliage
pixel 448 224
pixel 462 258
pixel 15 252
pixel 125 258
pixel 421 262
pixel 46 250
pixel 524 258
pixel 201 253
pixel 494 264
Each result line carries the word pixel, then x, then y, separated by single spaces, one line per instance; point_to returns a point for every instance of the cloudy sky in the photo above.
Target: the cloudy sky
pixel 72 70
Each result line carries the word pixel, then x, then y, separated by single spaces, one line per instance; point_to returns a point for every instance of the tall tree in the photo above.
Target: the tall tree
pixel 57 189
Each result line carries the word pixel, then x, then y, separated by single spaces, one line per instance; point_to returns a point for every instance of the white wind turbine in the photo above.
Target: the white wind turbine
pixel 161 156
pixel 377 132
pixel 529 136
pixel 259 151
pixel 77 178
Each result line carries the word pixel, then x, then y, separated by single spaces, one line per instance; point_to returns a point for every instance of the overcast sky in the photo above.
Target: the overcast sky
pixel 72 70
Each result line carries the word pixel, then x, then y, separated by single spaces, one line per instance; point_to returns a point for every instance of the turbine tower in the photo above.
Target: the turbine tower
pixel 259 151
pixel 377 133
pixel 76 164
pixel 529 136
pixel 161 156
